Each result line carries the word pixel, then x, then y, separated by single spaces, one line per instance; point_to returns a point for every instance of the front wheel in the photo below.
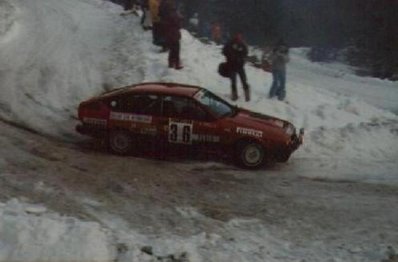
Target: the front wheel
pixel 250 155
pixel 120 142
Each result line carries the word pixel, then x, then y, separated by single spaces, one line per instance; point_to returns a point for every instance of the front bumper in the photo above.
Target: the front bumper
pixel 296 140
pixel 284 152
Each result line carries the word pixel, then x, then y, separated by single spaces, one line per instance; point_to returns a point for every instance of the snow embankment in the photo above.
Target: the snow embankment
pixel 53 55
pixel 29 233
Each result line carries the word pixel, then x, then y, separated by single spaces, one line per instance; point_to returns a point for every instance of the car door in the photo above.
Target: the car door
pixel 185 122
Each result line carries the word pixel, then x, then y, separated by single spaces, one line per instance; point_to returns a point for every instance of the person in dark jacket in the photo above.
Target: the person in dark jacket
pixel 166 9
pixel 172 25
pixel 236 53
pixel 279 59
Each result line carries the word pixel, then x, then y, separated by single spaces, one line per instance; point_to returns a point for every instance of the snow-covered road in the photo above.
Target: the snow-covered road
pixel 185 209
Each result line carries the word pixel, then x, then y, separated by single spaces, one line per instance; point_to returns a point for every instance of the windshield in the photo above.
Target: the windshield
pixel 216 105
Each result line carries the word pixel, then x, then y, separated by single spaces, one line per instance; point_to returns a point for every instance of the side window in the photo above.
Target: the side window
pixel 183 107
pixel 138 104
pixel 147 105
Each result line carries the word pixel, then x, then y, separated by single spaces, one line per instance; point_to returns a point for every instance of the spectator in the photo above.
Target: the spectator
pixel 172 25
pixel 279 58
pixel 194 24
pixel 166 9
pixel 235 51
pixel 130 7
pixel 216 36
pixel 156 26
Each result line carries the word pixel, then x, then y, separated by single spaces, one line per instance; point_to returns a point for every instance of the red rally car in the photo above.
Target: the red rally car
pixel 189 116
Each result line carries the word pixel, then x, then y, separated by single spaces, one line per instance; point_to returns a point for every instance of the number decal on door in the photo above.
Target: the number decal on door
pixel 180 132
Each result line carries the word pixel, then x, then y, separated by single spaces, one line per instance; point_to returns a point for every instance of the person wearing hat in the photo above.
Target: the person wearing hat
pixel 235 52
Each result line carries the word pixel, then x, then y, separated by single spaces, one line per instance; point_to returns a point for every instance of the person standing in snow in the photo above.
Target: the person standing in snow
pixel 156 26
pixel 279 59
pixel 171 20
pixel 216 33
pixel 146 20
pixel 194 24
pixel 166 9
pixel 235 51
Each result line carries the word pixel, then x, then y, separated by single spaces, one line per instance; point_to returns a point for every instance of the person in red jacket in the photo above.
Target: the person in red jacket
pixel 172 34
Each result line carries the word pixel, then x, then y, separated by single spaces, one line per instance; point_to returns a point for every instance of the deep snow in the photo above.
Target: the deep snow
pixel 54 54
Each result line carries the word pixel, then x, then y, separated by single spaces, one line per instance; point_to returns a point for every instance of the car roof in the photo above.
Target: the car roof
pixel 156 87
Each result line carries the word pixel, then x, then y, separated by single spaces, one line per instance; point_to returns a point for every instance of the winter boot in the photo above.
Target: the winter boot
pixel 178 65
pixel 171 63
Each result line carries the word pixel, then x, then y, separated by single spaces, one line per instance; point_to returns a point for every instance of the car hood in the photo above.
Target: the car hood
pixel 248 117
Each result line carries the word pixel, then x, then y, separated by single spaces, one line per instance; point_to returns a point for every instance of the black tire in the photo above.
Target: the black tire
pixel 120 142
pixel 250 155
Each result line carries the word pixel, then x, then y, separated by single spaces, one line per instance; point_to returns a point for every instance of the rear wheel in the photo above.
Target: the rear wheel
pixel 250 155
pixel 120 142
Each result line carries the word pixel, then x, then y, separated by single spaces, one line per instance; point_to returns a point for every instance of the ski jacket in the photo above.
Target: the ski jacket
pixel 172 26
pixel 154 8
pixel 279 58
pixel 235 53
pixel 166 9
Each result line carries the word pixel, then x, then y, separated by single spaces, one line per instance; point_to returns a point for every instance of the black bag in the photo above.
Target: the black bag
pixel 224 69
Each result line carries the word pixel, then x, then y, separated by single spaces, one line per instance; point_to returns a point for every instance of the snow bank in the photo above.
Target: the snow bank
pixel 54 59
pixel 31 234
pixel 8 14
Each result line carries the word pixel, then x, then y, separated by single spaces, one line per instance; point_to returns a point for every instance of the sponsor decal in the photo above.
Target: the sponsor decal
pixel 131 117
pixel 249 132
pixel 208 125
pixel 94 121
pixel 177 120
pixel 205 138
pixel 149 131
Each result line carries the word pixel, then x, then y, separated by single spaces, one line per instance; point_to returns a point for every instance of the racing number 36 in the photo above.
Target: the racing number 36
pixel 180 133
